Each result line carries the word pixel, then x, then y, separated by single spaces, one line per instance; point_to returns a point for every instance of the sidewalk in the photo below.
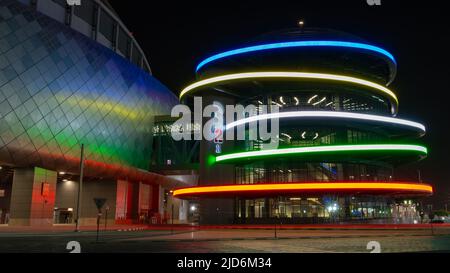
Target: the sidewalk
pixel 302 227
pixel 68 228
pixel 250 228
pixel 231 234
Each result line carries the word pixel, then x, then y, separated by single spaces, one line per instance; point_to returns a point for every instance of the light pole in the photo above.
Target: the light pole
pixel 171 226
pixel 106 216
pixel 80 189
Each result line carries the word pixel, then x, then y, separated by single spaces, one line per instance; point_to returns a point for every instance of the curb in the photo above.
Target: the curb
pixel 292 238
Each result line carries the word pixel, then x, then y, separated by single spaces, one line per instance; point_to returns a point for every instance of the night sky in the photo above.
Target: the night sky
pixel 175 37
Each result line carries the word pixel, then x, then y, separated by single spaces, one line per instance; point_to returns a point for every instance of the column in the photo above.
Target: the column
pixel 33 197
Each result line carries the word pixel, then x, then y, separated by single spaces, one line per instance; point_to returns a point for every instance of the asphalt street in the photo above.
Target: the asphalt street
pixel 228 241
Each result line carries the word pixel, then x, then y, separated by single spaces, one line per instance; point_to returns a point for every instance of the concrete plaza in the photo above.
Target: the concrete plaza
pixel 206 240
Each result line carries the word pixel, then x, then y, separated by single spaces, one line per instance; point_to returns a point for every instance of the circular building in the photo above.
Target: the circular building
pixel 334 146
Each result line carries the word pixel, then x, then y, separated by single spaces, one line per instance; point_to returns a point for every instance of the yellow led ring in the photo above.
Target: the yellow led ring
pixel 299 75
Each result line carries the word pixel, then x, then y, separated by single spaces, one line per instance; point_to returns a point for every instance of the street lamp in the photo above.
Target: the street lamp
pixel 80 189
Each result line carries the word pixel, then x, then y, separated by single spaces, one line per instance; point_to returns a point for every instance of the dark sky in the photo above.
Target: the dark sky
pixel 175 37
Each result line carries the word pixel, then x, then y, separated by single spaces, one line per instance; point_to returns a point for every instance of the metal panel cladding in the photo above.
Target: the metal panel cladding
pixel 59 88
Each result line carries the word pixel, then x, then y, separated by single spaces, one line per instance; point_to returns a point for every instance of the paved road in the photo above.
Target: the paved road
pixel 247 241
pixel 254 241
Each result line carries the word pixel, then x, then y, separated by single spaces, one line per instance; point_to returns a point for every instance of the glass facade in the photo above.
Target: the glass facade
pixel 325 209
pixel 59 88
pixel 324 99
pixel 307 135
pixel 306 172
pixel 167 151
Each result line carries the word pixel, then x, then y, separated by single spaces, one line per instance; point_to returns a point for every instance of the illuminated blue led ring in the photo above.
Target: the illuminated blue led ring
pixel 295 44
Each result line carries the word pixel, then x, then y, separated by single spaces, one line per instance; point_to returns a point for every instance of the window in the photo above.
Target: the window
pixel 137 56
pixel 124 42
pixel 62 3
pixel 107 26
pixel 86 12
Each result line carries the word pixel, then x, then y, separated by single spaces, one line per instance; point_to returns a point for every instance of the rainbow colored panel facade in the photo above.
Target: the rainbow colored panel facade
pixel 59 89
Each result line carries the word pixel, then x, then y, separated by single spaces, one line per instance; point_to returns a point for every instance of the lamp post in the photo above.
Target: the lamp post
pixel 106 216
pixel 171 226
pixel 80 189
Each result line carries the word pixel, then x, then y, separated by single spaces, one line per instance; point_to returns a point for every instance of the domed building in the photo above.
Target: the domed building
pixel 73 76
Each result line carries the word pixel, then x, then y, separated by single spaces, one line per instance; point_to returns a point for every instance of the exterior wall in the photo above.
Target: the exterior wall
pixel 67 195
pixel 81 26
pixel 101 189
pixel 30 204
pixel 59 12
pixel 5 196
pixel 186 180
pixel 157 199
pixel 144 197
pixel 132 201
pixel 180 210
pixel 121 200
pixel 181 207
pixel 183 211
pixel 58 89
pixel 51 9
pixel 137 202
pixel 103 40
pixel 215 211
